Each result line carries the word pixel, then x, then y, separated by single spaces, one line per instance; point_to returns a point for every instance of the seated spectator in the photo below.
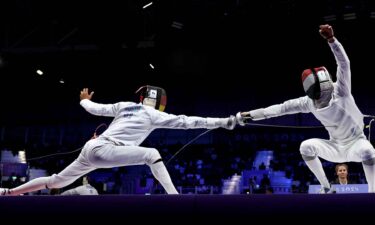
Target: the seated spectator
pixel 342 174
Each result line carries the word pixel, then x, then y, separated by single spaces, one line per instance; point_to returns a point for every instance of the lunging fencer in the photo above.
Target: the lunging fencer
pixel 333 105
pixel 119 144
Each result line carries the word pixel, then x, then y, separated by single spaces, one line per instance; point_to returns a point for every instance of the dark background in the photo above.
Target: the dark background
pixel 214 58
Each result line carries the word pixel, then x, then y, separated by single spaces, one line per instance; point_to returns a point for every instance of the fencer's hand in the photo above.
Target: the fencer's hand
pixel 85 94
pixel 243 117
pixel 228 123
pixel 326 31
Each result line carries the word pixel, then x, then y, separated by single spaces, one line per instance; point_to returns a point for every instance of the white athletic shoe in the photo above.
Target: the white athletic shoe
pixel 4 191
pixel 324 190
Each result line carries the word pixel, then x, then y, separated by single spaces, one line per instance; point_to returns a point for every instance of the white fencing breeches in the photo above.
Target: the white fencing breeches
pixel 101 154
pixel 358 150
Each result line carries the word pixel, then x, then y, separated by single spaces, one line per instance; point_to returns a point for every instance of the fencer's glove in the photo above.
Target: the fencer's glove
pixel 243 118
pixel 228 123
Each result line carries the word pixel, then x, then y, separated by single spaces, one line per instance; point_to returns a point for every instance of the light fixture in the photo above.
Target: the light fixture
pixel 147 5
pixel 177 25
pixel 349 16
pixel 39 72
pixel 329 18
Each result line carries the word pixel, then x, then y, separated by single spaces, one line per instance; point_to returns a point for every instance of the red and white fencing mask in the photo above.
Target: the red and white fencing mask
pixel 316 81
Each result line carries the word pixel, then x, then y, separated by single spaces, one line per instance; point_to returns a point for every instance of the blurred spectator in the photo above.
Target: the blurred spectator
pixel 84 189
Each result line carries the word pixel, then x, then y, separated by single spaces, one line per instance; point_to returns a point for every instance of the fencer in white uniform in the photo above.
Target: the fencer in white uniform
pixel 119 144
pixel 333 105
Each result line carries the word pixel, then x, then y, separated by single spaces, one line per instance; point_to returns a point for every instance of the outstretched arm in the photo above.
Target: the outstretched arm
pixel 165 120
pixel 343 73
pixel 298 105
pixel 95 108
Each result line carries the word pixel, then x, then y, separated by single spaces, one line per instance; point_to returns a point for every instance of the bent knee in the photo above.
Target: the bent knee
pixel 152 156
pixel 55 181
pixel 308 148
pixel 50 182
pixel 368 156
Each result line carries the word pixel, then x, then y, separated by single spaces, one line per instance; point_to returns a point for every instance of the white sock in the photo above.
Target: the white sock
pixel 316 167
pixel 33 185
pixel 161 174
pixel 370 173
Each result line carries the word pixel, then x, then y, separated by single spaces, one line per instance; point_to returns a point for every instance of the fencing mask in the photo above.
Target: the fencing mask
pixel 317 82
pixel 153 96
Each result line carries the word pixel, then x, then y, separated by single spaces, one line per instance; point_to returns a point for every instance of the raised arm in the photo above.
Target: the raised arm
pixel 95 108
pixel 343 73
